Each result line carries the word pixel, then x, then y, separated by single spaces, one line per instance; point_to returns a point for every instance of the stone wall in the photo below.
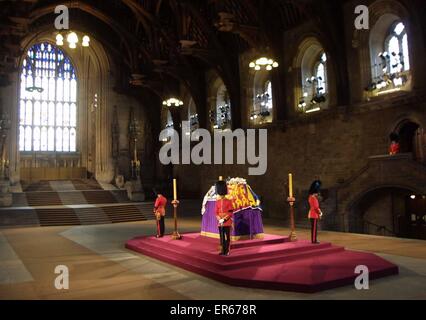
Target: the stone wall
pixel 330 146
pixel 333 144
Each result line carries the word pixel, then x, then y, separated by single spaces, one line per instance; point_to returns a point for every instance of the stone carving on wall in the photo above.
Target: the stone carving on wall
pixel 134 187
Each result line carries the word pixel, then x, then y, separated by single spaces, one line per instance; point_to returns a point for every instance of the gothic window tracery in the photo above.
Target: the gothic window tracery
pixel 48 101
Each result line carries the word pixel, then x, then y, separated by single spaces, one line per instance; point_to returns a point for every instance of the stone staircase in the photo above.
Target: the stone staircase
pixel 78 202
pixel 381 171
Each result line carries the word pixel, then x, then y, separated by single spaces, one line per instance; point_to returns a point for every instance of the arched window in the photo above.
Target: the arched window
pixel 192 115
pixel 48 101
pixel 313 94
pixel 168 125
pixel 222 115
pixel 396 46
pixel 390 58
pixel 262 102
pixel 314 84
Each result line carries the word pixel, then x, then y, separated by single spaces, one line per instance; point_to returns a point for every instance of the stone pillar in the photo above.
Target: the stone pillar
pixel 104 161
pixel 9 102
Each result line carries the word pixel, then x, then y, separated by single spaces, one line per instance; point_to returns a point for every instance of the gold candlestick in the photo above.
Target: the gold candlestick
pixel 175 203
pixel 291 200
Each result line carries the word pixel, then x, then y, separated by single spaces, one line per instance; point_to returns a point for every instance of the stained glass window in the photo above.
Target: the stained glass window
pixel 48 101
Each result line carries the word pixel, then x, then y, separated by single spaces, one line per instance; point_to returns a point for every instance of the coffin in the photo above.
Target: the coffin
pixel 247 220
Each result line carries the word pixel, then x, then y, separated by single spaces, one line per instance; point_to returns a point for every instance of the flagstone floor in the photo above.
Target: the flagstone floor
pixel 101 268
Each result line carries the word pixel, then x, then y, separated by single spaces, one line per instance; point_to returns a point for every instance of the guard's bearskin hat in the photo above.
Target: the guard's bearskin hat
pixel 394 137
pixel 221 188
pixel 315 187
pixel 157 191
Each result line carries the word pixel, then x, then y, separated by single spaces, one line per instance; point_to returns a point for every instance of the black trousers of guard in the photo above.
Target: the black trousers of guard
pixel 314 230
pixel 160 227
pixel 225 239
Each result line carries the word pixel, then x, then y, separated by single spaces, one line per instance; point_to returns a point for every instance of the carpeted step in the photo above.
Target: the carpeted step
pixel 266 240
pixel 261 242
pixel 322 271
pixel 244 258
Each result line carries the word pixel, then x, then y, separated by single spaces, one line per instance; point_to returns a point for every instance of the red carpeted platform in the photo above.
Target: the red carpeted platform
pixel 272 263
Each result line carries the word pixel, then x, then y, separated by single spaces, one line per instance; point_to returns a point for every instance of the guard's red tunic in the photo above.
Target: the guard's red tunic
pixel 394 148
pixel 224 210
pixel 314 210
pixel 160 205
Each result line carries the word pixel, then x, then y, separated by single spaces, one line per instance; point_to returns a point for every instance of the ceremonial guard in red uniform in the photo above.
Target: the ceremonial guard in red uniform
pixel 394 146
pixel 160 212
pixel 224 210
pixel 315 212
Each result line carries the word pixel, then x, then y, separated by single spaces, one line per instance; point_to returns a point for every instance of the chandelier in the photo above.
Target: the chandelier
pixel 172 102
pixel 263 63
pixel 72 39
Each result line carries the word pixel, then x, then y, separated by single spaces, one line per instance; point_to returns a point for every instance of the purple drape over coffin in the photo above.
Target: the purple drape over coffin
pixel 247 222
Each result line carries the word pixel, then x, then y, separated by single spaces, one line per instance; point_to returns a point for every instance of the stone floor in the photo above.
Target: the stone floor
pixel 101 268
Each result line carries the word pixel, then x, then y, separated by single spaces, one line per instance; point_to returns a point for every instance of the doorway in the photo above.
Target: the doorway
pixel 413 140
pixel 383 211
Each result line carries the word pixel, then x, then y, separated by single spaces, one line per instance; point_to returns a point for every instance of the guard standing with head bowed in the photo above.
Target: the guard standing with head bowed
pixel 160 212
pixel 224 211
pixel 315 212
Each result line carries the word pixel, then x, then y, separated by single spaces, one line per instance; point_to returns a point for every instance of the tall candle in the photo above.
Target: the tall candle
pixel 174 190
pixel 290 185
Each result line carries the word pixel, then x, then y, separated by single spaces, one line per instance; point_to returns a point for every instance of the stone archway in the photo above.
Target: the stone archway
pixel 381 172
pixel 380 211
pixel 412 139
pixel 93 117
